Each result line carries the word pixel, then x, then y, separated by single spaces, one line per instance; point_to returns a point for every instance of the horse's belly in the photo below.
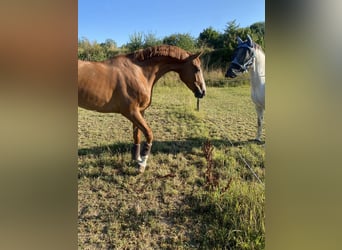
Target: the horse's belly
pixel 96 101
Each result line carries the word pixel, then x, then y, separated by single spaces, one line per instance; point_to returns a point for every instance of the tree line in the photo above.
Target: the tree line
pixel 217 46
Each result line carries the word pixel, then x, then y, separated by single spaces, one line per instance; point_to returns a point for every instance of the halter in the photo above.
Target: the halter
pixel 244 67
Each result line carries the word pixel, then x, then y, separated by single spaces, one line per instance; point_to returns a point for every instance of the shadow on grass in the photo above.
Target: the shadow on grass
pixel 171 147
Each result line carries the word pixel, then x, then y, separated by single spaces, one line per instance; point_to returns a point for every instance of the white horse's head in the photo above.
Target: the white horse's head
pixel 244 56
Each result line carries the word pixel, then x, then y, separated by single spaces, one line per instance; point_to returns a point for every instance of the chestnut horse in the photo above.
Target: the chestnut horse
pixel 124 83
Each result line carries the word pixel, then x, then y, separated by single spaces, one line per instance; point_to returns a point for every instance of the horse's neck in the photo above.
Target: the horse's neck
pixel 257 71
pixel 156 70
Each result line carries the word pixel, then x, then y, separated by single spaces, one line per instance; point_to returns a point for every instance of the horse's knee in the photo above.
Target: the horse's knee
pixel 149 136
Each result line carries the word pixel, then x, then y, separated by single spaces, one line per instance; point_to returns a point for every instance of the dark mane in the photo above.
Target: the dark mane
pixel 161 50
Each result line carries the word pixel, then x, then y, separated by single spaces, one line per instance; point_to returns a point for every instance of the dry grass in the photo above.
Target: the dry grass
pixel 169 206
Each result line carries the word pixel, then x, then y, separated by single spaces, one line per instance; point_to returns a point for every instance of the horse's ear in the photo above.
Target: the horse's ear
pixel 198 54
pixel 194 56
pixel 249 40
pixel 239 40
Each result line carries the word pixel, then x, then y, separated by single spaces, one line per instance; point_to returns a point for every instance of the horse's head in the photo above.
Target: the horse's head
pixel 191 74
pixel 243 57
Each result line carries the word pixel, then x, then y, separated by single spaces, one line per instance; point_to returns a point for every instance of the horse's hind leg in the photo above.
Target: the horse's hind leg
pixel 260 113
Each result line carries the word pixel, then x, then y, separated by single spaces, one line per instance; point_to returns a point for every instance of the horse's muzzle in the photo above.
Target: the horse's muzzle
pixel 230 73
pixel 199 93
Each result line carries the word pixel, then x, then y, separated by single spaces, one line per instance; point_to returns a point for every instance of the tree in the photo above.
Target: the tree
pixel 151 40
pixel 90 51
pixel 109 44
pixel 135 42
pixel 210 38
pixel 184 41
pixel 230 35
pixel 110 48
pixel 140 40
pixel 258 33
pixel 258 28
pixel 232 31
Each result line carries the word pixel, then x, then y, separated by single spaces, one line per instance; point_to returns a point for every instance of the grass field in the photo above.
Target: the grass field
pixel 186 198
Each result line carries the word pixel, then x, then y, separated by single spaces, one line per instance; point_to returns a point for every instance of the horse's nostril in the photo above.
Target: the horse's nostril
pixel 199 93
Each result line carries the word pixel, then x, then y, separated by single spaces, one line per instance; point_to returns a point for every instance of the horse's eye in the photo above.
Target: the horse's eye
pixel 197 69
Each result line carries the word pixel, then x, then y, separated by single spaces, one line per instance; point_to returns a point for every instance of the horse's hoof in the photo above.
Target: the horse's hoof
pixel 141 168
pixel 142 164
pixel 258 141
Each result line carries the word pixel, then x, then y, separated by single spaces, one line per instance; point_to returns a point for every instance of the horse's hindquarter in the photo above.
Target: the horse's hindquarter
pixel 115 87
pixel 96 85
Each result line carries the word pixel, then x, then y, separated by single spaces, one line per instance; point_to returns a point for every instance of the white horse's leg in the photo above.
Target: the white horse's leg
pixel 260 114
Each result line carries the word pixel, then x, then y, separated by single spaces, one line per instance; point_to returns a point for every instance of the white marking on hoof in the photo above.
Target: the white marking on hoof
pixel 141 169
pixel 142 163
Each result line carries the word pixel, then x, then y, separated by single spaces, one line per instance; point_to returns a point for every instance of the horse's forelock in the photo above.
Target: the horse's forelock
pixel 255 46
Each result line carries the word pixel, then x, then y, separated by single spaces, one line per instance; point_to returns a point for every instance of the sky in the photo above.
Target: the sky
pixel 118 20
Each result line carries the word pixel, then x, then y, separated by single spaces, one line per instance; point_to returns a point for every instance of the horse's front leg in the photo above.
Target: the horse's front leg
pixel 139 124
pixel 260 113
pixel 136 143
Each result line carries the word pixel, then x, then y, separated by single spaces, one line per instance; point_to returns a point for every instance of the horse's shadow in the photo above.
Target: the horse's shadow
pixel 172 147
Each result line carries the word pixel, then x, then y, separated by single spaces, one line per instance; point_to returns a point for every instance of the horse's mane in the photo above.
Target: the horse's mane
pixel 161 50
pixel 257 46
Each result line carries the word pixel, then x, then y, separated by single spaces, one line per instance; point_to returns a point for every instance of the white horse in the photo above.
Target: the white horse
pixel 250 57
